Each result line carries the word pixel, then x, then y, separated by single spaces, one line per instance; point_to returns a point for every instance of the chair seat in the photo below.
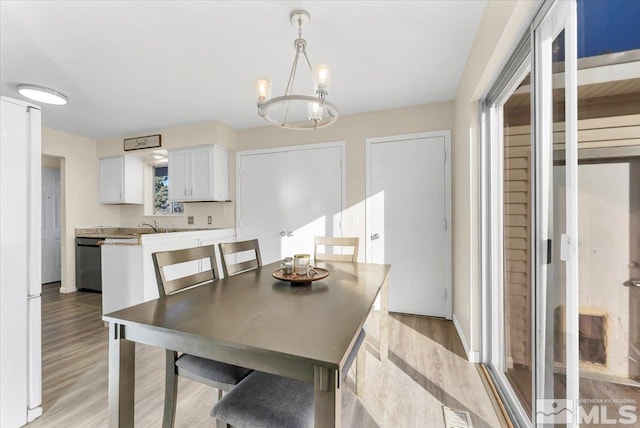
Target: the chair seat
pixel 212 370
pixel 264 400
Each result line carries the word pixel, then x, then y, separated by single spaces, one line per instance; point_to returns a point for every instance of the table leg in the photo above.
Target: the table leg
pixel 384 320
pixel 327 398
pixel 121 378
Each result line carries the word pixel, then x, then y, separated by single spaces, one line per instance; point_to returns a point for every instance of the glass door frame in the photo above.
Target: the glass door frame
pixel 493 354
pixel 562 16
pixel 551 19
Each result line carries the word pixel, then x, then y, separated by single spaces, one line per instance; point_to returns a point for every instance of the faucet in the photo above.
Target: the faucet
pixel 154 226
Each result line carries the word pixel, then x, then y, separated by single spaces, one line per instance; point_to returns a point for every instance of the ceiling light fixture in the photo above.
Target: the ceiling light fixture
pixel 42 94
pixel 319 111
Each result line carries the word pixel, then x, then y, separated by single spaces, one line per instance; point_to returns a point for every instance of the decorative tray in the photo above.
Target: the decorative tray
pixel 296 279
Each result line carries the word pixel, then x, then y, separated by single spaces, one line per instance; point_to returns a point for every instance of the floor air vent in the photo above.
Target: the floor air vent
pixel 454 418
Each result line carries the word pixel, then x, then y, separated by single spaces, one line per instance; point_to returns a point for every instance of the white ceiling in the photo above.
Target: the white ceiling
pixel 135 66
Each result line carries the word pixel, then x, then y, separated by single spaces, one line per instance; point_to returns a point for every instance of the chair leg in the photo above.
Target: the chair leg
pixel 360 370
pixel 221 424
pixel 170 390
pixel 220 394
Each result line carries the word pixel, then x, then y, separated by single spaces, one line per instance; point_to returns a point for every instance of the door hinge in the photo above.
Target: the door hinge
pixel 239 224
pixel 445 294
pixel 446 225
pixel 445 156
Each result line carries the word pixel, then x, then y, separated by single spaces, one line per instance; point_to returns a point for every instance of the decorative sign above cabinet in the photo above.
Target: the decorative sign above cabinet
pixel 146 142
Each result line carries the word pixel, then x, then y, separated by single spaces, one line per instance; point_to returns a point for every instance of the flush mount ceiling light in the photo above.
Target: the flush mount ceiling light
pixel 42 94
pixel 281 111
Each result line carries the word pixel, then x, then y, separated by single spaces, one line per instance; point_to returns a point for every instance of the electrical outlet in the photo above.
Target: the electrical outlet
pixel 190 219
pixel 209 220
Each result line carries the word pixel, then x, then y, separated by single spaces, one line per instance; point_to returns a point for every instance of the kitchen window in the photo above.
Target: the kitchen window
pixel 161 203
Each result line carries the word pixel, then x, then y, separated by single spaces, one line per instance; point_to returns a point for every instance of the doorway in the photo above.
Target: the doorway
pixel 408 217
pixel 51 220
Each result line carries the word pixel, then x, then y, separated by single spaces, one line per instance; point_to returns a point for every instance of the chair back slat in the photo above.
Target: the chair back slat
pixel 230 248
pixel 178 284
pixel 328 241
pixel 163 259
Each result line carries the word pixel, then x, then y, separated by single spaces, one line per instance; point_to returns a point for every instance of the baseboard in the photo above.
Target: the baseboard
pixel 34 413
pixel 68 290
pixel 472 356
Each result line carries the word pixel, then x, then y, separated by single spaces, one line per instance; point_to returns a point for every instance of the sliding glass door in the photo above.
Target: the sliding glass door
pixel 561 203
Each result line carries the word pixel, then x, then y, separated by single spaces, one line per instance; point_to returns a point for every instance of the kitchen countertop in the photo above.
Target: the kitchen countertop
pixel 125 232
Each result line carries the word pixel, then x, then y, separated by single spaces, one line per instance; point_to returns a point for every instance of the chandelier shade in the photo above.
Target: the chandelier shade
pixel 286 111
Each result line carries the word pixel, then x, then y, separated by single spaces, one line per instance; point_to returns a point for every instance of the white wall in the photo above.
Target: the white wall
pixel 79 193
pixel 354 130
pixel 198 134
pixel 503 23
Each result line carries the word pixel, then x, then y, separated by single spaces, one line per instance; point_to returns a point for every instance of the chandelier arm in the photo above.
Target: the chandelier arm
pixel 292 74
pixel 304 51
pixel 292 77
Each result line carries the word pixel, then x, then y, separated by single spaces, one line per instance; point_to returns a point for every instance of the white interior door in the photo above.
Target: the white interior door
pixel 288 195
pixel 314 197
pixel 407 220
pixel 262 193
pixel 51 245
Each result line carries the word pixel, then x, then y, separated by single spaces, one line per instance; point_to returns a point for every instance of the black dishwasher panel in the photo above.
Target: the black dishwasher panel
pixel 88 264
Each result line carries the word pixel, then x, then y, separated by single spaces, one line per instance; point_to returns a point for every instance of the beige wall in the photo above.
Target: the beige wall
pixel 199 134
pixel 354 130
pixel 79 193
pixel 501 27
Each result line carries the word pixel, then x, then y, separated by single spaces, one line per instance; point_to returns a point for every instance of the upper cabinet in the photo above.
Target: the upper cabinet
pixel 121 180
pixel 199 174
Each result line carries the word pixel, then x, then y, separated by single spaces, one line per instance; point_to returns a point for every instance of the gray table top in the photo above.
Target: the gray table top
pixel 256 312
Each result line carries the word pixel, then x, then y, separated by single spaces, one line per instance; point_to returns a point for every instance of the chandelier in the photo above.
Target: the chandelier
pixel 284 111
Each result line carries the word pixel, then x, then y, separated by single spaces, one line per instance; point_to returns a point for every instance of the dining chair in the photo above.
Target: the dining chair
pixel 329 241
pixel 267 400
pixel 219 375
pixel 229 249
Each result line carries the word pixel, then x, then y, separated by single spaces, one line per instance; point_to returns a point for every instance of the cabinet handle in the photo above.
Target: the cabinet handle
pixel 375 236
pixel 283 233
pixel 185 192
pixel 290 234
pixel 120 195
pixel 191 191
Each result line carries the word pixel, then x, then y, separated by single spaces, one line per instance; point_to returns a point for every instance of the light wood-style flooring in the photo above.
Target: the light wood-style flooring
pixel 426 369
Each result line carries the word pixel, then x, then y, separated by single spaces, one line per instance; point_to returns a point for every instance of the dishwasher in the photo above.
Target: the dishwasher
pixel 88 264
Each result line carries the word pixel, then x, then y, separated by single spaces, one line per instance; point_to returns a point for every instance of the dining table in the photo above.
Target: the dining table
pixel 253 320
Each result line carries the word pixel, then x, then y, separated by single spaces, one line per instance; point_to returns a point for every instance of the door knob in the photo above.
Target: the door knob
pixel 632 283
pixel 375 236
pixel 283 233
pixel 290 234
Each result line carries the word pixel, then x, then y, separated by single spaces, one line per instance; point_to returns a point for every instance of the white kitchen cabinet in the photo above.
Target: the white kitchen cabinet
pixel 199 174
pixel 128 274
pixel 121 180
pixel 288 196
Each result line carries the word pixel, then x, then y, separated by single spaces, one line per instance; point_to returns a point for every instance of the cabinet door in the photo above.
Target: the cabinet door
pixel 262 193
pixel 178 175
pixel 314 202
pixel 201 175
pixel 112 180
pixel 133 184
pixel 220 173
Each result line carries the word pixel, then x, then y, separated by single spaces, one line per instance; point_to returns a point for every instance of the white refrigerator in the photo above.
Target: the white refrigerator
pixel 20 301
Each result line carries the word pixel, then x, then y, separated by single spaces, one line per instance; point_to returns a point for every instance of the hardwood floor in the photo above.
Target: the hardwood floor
pixel 426 369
